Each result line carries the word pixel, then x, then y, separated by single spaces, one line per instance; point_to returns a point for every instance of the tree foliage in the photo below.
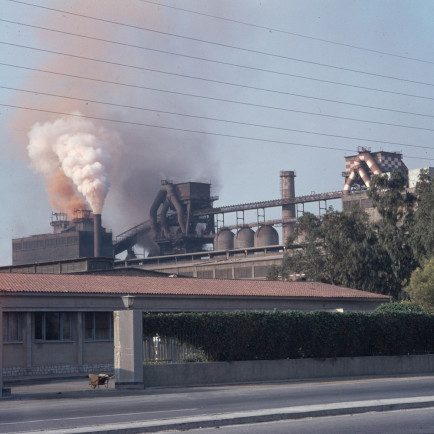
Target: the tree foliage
pixel 396 208
pixel 421 287
pixel 345 248
pixel 422 234
pixel 401 307
pixel 339 249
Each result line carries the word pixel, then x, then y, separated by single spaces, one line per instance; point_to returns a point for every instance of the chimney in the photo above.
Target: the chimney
pixel 288 210
pixel 97 235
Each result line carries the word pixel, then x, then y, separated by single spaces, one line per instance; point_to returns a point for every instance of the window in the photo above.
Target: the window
pixel 12 327
pixel 98 326
pixel 53 326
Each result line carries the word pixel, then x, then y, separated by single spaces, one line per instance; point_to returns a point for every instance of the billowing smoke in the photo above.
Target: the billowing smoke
pixel 73 153
pixel 73 156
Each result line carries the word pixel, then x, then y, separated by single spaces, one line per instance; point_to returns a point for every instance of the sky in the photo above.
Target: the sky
pixel 220 91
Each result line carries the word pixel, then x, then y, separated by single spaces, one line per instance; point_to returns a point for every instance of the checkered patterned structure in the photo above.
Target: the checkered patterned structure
pixel 387 161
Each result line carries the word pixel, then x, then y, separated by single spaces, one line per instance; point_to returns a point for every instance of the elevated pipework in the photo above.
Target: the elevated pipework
pixel 359 170
pixel 288 210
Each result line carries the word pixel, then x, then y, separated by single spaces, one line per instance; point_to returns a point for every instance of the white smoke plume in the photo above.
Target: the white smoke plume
pixel 73 151
pixel 148 154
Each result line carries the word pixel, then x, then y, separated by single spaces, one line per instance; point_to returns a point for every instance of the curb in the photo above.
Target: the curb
pixel 257 416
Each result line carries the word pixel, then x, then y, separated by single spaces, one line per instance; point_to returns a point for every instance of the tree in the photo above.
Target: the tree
pixel 394 249
pixel 273 272
pixel 340 249
pixel 421 286
pixel 344 248
pixel 307 259
pixel 422 234
pixel 401 307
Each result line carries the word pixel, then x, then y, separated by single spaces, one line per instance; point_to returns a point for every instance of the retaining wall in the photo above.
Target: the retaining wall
pixel 186 374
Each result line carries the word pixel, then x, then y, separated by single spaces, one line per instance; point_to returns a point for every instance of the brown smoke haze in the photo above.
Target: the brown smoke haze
pixel 140 156
pixel 63 195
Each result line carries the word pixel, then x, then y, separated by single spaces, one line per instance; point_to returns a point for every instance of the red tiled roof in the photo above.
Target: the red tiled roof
pixel 95 284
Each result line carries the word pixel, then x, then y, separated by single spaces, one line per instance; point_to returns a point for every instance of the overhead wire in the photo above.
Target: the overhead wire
pixel 87 100
pixel 254 139
pixel 218 43
pixel 208 80
pixel 227 83
pixel 215 98
pixel 252 68
pixel 286 32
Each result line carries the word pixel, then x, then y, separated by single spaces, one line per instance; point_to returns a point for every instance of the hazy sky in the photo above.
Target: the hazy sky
pixel 185 95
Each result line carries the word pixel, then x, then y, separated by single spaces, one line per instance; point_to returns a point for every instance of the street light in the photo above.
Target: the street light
pixel 128 301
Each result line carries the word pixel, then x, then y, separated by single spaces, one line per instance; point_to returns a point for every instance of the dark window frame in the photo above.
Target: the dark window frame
pixel 93 331
pixel 13 327
pixel 53 327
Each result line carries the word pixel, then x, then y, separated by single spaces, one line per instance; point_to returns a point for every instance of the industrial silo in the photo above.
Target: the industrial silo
pixel 266 236
pixel 244 238
pixel 224 240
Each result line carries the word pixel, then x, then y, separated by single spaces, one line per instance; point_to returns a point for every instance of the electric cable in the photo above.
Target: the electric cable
pixel 276 30
pixel 213 119
pixel 185 130
pixel 208 80
pixel 252 68
pixel 189 38
pixel 214 98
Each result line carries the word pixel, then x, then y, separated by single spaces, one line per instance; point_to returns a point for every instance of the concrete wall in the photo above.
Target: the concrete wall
pixel 185 374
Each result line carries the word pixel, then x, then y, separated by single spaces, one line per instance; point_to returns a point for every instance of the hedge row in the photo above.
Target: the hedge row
pixel 286 335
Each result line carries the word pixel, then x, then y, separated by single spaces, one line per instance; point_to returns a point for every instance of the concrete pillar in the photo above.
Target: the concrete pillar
pixel 128 343
pixel 80 338
pixel 1 351
pixel 3 391
pixel 288 211
pixel 28 339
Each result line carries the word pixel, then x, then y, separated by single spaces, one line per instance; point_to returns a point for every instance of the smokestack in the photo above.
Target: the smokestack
pixel 97 235
pixel 288 210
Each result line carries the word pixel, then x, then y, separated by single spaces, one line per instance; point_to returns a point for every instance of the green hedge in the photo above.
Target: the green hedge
pixel 286 335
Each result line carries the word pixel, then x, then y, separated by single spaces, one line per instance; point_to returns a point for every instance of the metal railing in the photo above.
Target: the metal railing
pixel 161 349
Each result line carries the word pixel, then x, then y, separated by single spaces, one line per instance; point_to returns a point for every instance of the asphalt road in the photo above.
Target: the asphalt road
pixel 391 422
pixel 66 405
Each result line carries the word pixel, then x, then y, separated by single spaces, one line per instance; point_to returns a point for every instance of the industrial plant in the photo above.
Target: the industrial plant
pixel 186 235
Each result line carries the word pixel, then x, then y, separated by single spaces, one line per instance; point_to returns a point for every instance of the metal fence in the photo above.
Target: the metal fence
pixel 172 350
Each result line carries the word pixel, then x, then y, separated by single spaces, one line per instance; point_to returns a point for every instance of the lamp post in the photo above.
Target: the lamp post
pixel 128 301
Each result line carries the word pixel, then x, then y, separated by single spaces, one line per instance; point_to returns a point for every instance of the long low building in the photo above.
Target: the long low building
pixel 63 323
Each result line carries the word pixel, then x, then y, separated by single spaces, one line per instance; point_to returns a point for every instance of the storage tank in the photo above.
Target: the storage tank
pixel 224 240
pixel 244 238
pixel 266 236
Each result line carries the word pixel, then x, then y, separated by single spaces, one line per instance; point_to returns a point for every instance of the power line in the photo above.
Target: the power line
pixel 134 86
pixel 252 68
pixel 208 80
pixel 213 119
pixel 185 130
pixel 248 50
pixel 273 29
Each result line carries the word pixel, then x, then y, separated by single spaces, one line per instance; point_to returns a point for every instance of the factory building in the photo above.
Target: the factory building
pixel 82 237
pixel 188 233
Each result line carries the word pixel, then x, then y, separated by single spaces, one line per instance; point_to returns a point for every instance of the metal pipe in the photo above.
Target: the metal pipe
pixel 367 158
pixel 161 196
pixel 171 193
pixel 97 235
